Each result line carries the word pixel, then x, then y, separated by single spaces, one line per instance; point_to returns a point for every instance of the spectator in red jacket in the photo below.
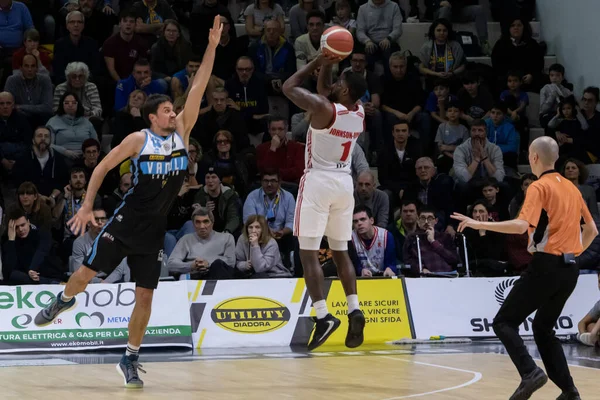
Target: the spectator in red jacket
pixel 281 153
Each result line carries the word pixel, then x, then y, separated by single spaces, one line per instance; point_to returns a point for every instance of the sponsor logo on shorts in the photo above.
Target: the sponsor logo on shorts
pixel 119 217
pixel 160 256
pixel 108 236
pixel 250 315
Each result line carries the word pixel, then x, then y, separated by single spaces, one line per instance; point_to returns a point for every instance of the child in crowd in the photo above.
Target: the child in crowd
pixel 438 100
pixel 516 101
pixel 343 16
pixel 476 100
pixel 569 126
pixel 449 135
pixel 497 208
pixel 552 93
pixel 502 133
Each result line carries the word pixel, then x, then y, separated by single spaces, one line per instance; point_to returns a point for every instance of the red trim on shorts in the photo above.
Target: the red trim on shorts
pixel 309 148
pixel 299 206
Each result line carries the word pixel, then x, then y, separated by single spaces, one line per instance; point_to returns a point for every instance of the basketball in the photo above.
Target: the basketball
pixel 337 42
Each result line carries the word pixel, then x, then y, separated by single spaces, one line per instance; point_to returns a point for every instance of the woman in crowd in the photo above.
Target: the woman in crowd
pixel 485 249
pixel 576 171
pixel 77 74
pixel 260 11
pixel 70 128
pixel 298 17
pixel 129 119
pixel 441 56
pixel 257 253
pixel 170 53
pixel 223 157
pixel 517 50
pixel 568 126
pixel 515 204
pixel 194 157
pixel 34 206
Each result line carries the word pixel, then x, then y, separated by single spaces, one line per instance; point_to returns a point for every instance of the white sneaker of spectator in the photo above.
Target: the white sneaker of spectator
pixel 587 339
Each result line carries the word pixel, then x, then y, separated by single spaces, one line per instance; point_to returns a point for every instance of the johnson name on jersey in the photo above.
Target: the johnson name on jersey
pixel 330 149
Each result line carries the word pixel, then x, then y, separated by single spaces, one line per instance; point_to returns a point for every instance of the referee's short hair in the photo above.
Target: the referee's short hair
pixel 203 212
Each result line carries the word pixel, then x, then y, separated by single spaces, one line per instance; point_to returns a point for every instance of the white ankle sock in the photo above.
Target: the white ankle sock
pixel 64 298
pixel 352 301
pixel 132 350
pixel 321 309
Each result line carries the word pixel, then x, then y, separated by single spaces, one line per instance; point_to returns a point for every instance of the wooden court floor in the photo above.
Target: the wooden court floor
pixel 373 377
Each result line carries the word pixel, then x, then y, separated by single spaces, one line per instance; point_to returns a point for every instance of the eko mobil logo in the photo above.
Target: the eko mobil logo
pixel 500 294
pixel 250 315
pixel 22 298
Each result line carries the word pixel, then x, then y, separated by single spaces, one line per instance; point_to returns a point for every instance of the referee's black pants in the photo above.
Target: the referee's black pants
pixel 544 286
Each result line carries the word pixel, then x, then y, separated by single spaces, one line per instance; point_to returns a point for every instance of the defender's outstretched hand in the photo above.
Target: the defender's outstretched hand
pixel 214 36
pixel 78 223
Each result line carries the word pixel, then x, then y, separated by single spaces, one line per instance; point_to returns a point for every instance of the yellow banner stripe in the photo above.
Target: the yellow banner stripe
pixel 298 291
pixel 197 291
pixel 202 334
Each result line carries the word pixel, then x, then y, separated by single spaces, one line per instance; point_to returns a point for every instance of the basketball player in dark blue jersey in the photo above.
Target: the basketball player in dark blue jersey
pixel 137 228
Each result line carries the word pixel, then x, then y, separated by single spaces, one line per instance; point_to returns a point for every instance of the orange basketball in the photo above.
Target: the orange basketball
pixel 337 42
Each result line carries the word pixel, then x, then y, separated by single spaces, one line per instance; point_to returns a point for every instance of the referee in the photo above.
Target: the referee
pixel 552 213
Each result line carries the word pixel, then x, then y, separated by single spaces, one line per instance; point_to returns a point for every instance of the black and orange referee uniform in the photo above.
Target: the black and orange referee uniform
pixel 554 209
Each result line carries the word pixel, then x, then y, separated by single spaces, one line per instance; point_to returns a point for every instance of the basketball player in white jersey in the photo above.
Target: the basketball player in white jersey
pixel 325 197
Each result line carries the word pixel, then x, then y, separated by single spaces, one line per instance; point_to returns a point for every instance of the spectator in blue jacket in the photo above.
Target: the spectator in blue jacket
pixel 502 133
pixel 277 206
pixel 17 21
pixel 140 78
pixel 180 80
pixel 274 57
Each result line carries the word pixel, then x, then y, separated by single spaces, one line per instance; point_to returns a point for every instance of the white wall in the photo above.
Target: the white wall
pixel 572 31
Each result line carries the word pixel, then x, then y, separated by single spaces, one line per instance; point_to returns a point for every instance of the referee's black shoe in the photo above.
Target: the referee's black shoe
pixel 529 384
pixel 569 396
pixel 356 326
pixel 324 327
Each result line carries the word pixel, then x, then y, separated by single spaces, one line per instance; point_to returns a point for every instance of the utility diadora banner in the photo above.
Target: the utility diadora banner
pixel 98 320
pixel 466 307
pixel 278 312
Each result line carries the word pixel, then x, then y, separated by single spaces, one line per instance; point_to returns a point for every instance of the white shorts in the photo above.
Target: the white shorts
pixel 324 206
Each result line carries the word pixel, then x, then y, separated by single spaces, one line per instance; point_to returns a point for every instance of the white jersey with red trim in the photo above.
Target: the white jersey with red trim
pixel 330 149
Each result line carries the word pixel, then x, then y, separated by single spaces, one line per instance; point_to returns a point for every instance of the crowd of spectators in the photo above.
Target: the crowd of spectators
pixel 443 134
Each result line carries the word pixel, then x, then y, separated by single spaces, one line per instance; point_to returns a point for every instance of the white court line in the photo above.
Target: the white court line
pixel 476 377
pixel 540 360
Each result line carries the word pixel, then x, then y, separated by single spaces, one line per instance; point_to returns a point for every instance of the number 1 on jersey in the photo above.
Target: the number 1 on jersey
pixel 346 153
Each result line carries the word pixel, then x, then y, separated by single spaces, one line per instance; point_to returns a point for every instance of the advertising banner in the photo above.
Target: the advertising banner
pixel 98 320
pixel 465 307
pixel 245 313
pixel 383 302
